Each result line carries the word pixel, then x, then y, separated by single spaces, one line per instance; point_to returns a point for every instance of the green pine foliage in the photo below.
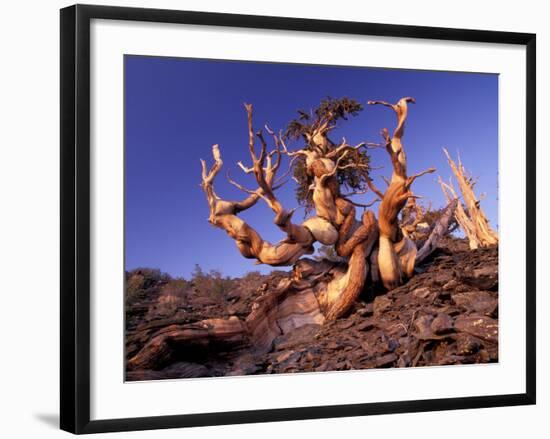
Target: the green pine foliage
pixel 330 111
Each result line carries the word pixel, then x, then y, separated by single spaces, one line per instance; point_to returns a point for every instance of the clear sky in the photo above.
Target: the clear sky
pixel 176 109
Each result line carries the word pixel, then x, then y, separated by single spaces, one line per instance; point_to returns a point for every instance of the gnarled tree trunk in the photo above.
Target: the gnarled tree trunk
pixel 396 252
pixel 335 220
pixel 315 291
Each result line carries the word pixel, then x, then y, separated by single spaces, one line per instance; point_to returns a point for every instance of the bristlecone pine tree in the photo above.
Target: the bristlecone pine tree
pixel 374 249
pixel 471 219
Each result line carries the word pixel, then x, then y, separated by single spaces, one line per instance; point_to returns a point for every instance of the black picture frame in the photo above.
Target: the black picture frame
pixel 75 217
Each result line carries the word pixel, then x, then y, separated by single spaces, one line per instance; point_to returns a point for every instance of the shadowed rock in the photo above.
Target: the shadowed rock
pixel 436 318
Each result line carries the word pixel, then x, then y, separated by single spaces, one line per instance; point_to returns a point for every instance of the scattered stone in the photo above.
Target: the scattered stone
pixel 466 344
pixel 423 328
pixel 442 324
pixel 365 325
pixel 302 335
pixel 284 356
pixel 442 278
pixel 445 315
pixel 451 285
pixel 174 371
pixel 367 310
pixel 485 278
pixel 480 326
pixel 481 302
pixel 385 360
pixel 381 304
pixel 345 324
pixel 245 369
pixel 422 293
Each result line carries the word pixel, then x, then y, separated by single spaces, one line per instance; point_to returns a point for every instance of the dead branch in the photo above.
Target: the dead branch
pixel 396 251
pixel 485 235
pixel 438 232
pixel 460 214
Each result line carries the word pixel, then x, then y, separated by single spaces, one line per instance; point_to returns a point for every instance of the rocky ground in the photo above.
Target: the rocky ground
pixel 446 314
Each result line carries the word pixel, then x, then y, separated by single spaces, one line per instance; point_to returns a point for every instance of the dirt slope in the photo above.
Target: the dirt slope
pixel 446 314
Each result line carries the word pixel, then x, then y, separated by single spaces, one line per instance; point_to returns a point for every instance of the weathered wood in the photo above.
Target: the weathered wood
pixel 359 245
pixel 394 268
pixel 291 305
pixel 437 317
pixel 159 350
pixel 334 222
pixel 317 291
pixel 439 231
pixel 460 214
pixel 473 221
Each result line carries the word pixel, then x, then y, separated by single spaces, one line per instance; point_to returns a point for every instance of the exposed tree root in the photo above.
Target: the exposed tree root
pixel 318 291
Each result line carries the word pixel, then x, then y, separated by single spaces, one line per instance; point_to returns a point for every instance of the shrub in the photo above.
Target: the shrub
pixel 212 284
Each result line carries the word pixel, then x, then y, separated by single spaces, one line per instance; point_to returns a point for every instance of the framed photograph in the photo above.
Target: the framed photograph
pixel 268 219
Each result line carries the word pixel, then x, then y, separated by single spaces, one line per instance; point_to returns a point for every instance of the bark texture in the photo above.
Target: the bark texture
pixel 438 233
pixel 396 252
pixel 317 291
pixel 334 223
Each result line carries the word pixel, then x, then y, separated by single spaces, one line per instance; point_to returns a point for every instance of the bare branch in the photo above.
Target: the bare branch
pixel 441 228
pixel 412 178
pixel 277 151
pixel 355 203
pixel 373 145
pixel 280 141
pixel 345 147
pixel 351 194
pixel 294 153
pixel 287 172
pixel 241 187
pixel 244 168
pixel 373 188
pixel 337 166
pixel 387 104
pixel 263 150
pixel 447 189
pixel 208 176
pixel 248 108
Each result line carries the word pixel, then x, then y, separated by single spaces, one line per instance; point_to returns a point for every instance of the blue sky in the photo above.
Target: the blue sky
pixel 176 109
